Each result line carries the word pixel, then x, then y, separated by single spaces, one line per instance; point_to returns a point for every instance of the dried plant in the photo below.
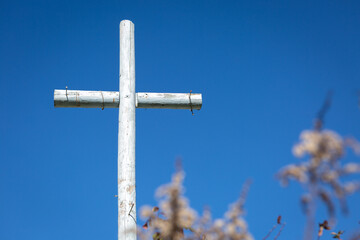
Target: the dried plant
pixel 233 226
pixel 323 226
pixel 175 215
pixel 175 219
pixel 337 234
pixel 321 173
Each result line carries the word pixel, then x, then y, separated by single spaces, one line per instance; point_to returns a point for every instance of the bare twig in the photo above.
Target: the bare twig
pixel 323 110
pixel 271 230
pixel 278 222
pixel 282 228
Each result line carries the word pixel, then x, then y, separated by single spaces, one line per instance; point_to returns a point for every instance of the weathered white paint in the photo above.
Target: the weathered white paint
pixel 169 100
pixel 107 99
pixel 86 99
pixel 126 154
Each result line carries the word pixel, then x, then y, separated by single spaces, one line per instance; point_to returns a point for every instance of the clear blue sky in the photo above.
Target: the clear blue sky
pixel 263 67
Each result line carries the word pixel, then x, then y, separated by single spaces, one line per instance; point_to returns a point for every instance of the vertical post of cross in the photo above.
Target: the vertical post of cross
pixel 126 143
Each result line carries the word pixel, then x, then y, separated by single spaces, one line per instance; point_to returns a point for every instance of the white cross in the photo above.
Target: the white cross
pixel 126 100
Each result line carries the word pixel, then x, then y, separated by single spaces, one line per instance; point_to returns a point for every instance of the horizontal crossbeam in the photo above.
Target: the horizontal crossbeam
pixel 107 99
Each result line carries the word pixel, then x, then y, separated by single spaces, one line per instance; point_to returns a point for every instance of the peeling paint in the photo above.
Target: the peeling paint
pixel 130 189
pixel 122 208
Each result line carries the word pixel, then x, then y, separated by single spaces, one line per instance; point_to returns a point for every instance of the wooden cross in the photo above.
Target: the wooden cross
pixel 126 100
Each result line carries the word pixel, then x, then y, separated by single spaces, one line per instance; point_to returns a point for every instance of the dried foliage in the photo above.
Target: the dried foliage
pixel 175 219
pixel 322 170
pixel 323 226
